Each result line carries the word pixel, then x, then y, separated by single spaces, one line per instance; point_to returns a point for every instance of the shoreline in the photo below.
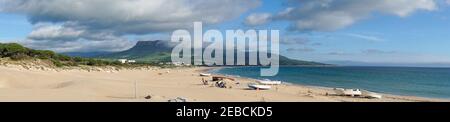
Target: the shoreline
pixel 388 95
pixel 18 83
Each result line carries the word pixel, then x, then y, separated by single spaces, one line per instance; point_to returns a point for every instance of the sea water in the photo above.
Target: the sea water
pixel 411 81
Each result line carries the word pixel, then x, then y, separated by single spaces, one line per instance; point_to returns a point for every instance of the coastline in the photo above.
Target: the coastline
pixel 322 89
pixel 19 83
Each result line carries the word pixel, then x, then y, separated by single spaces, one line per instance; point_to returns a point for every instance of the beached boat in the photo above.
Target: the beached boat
pixel 369 94
pixel 347 92
pixel 220 78
pixel 259 87
pixel 205 74
pixel 269 82
pixel 339 91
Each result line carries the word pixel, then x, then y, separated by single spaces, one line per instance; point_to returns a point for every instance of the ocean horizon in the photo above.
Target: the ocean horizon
pixel 430 82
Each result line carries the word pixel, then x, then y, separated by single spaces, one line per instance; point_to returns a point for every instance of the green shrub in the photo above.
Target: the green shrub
pixel 57 63
pixel 12 49
pixel 63 58
pixel 42 54
pixel 18 57
pixel 78 59
pixel 18 52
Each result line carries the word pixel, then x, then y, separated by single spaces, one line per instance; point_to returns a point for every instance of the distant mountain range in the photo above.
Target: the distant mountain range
pixel 160 51
pixel 388 64
pixel 86 54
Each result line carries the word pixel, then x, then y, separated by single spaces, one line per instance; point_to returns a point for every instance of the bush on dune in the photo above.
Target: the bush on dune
pixel 18 52
pixel 14 51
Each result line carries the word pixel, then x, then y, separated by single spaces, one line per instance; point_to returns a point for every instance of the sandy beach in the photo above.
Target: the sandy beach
pixel 18 83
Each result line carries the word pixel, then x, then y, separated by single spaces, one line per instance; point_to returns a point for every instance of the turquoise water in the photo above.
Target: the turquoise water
pixel 424 82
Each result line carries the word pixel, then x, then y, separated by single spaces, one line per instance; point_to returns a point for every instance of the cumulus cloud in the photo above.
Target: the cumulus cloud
pixel 84 20
pixel 130 16
pixel 330 15
pixel 66 38
pixel 54 32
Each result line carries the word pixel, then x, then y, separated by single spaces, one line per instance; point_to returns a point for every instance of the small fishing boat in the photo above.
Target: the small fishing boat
pixel 339 91
pixel 369 94
pixel 205 74
pixel 269 82
pixel 259 87
pixel 347 92
pixel 220 78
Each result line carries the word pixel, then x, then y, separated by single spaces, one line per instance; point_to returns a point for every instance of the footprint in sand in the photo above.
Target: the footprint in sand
pixel 63 85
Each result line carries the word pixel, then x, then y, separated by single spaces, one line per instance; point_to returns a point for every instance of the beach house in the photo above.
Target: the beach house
pixel 131 61
pixel 123 61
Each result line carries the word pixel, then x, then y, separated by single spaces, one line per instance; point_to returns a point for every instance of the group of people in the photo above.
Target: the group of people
pixel 220 84
pixel 205 82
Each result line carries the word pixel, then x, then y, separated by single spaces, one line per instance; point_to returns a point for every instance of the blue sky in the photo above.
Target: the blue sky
pixel 415 35
pixel 14 27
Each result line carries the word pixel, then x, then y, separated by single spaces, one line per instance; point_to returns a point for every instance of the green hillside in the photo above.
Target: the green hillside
pixel 16 51
pixel 143 52
pixel 160 51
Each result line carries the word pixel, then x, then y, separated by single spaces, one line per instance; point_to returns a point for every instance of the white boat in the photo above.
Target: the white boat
pixel 259 87
pixel 339 91
pixel 205 74
pixel 352 92
pixel 369 94
pixel 348 92
pixel 269 82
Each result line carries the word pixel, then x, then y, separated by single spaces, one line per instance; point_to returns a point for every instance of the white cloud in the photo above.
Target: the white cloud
pixel 330 15
pixel 66 38
pixel 366 37
pixel 258 19
pixel 130 16
pixel 54 32
pixel 75 20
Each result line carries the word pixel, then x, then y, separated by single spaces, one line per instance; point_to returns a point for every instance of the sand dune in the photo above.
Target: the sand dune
pixel 18 84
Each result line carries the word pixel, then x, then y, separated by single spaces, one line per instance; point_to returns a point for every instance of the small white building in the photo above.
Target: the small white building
pixel 122 61
pixel 131 61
